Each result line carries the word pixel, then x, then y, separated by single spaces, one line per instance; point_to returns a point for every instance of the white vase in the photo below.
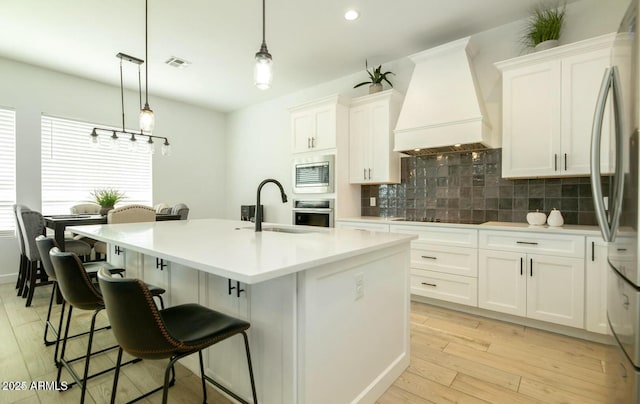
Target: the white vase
pixel 536 218
pixel 551 43
pixel 555 218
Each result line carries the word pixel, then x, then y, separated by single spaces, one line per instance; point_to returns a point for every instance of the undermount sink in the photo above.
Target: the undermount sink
pixel 292 230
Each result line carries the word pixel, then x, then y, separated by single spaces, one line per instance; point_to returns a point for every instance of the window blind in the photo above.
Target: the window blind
pixel 7 171
pixel 72 168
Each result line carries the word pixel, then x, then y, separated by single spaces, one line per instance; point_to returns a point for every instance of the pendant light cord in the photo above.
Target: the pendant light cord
pixel 146 52
pixel 264 43
pixel 121 94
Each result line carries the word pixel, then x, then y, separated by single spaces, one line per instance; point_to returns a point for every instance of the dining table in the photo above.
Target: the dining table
pixel 58 223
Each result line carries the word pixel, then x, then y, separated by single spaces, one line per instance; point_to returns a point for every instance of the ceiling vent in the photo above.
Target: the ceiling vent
pixel 177 62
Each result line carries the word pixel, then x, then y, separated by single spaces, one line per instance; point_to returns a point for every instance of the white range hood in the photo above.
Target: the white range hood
pixel 443 108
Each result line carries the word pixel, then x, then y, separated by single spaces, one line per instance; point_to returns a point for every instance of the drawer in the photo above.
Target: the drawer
pixel 439 235
pixel 450 260
pixel 550 244
pixel 452 288
pixel 364 226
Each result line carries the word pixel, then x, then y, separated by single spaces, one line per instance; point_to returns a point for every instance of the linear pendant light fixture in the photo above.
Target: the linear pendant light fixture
pixel 262 74
pixel 147 120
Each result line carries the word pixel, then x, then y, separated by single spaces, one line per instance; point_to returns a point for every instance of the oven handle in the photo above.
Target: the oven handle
pixel 313 210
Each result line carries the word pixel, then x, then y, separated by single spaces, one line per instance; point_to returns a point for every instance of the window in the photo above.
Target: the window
pixel 7 171
pixel 72 168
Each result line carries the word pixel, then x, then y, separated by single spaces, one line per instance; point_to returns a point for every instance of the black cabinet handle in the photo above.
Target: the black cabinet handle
pixel 593 251
pixel 160 264
pixel 429 284
pixel 521 264
pixel 429 257
pixel 526 242
pixel 531 267
pixel 621 249
pixel 555 162
pixel 236 288
pixel 565 162
pixel 364 173
pixel 117 250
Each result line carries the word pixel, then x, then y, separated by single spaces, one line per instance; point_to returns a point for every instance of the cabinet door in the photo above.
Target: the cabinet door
pixel 380 146
pixel 302 130
pixel 581 79
pixel 531 121
pixel 596 286
pixel 502 282
pixel 156 274
pixel 324 128
pixel 358 144
pixel 555 289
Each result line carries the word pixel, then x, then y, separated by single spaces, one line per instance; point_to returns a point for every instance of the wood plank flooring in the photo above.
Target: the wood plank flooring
pixel 455 358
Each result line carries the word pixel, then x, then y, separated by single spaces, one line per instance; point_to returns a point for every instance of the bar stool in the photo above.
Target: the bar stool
pixel 148 333
pixel 31 225
pixel 81 293
pixel 44 245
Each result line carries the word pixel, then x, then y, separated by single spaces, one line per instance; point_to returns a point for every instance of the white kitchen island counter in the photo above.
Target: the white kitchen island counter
pixel 329 309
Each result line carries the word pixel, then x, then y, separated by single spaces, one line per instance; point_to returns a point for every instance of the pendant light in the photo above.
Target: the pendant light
pixel 262 73
pixel 147 120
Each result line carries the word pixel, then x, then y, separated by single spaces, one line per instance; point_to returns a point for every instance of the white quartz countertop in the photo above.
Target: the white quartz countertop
pixel 566 229
pixel 232 249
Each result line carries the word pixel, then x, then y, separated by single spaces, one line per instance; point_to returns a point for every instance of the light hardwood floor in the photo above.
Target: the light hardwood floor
pixel 455 358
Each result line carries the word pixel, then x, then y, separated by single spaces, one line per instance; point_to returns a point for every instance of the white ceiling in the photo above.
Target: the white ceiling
pixel 309 39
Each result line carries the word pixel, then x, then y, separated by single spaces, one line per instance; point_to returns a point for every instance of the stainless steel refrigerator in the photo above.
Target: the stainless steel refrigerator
pixel 618 219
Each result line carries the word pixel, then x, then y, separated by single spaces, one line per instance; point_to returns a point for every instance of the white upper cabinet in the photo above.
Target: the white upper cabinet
pixel 316 125
pixel 371 122
pixel 549 99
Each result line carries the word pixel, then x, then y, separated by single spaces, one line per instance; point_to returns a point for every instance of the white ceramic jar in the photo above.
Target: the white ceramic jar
pixel 536 218
pixel 555 218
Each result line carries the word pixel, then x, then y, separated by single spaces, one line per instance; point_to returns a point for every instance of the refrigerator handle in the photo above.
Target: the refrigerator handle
pixel 596 135
pixel 618 176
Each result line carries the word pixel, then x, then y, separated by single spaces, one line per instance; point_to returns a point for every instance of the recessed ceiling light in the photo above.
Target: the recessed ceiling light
pixel 351 15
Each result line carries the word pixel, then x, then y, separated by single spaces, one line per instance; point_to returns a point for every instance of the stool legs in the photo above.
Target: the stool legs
pixel 253 383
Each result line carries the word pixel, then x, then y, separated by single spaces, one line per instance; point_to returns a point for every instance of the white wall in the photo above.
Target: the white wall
pixel 258 137
pixel 194 174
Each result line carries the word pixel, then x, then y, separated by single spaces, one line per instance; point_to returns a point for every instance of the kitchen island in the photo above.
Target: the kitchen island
pixel 329 308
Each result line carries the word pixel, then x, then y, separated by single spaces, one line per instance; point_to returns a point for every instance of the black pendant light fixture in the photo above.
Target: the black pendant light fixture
pixel 262 74
pixel 147 119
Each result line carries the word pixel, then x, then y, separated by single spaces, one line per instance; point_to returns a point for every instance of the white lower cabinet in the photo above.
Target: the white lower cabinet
pixel 439 285
pixel 542 287
pixel 383 227
pixel 596 286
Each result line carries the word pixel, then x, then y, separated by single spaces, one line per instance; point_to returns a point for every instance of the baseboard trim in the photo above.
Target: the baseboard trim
pixel 8 278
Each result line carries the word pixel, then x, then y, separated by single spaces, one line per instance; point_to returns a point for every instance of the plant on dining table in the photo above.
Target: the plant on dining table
pixel 107 197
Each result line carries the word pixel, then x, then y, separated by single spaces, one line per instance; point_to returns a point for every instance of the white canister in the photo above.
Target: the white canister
pixel 536 218
pixel 555 218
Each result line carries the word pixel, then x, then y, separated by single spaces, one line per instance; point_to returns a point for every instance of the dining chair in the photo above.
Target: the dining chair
pixel 180 209
pixel 126 214
pixel 145 332
pixel 88 208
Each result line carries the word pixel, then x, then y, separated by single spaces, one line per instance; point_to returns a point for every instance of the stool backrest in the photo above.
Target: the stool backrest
pixel 20 236
pixel 182 210
pixel 134 318
pixel 32 225
pixel 131 214
pixel 45 244
pixel 162 208
pixel 74 282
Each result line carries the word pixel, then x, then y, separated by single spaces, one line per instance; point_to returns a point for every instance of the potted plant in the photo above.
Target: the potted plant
pixel 376 76
pixel 542 29
pixel 107 198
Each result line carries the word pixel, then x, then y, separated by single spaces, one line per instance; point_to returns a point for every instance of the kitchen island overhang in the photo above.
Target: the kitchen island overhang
pixel 329 308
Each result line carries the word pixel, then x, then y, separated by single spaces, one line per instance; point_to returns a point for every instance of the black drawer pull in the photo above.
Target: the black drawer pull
pixel 117 250
pixel 429 257
pixel 593 251
pixel 521 263
pixel 160 264
pixel 621 249
pixel 531 267
pixel 527 242
pixel 429 284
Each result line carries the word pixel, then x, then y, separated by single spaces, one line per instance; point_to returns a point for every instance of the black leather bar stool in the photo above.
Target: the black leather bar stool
pixel 148 333
pixel 44 245
pixel 79 292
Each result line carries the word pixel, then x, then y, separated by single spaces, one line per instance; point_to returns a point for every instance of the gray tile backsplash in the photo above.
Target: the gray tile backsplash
pixel 467 187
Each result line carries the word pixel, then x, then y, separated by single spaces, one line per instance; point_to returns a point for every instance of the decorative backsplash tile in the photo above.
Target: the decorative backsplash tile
pixel 468 188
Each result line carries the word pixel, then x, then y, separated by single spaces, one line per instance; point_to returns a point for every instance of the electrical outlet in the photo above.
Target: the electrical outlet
pixel 372 201
pixel 359 282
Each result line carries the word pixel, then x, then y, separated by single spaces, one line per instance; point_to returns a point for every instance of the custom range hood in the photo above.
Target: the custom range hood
pixel 443 109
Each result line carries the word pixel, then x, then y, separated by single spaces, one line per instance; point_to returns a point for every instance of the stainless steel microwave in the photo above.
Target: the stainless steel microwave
pixel 313 175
